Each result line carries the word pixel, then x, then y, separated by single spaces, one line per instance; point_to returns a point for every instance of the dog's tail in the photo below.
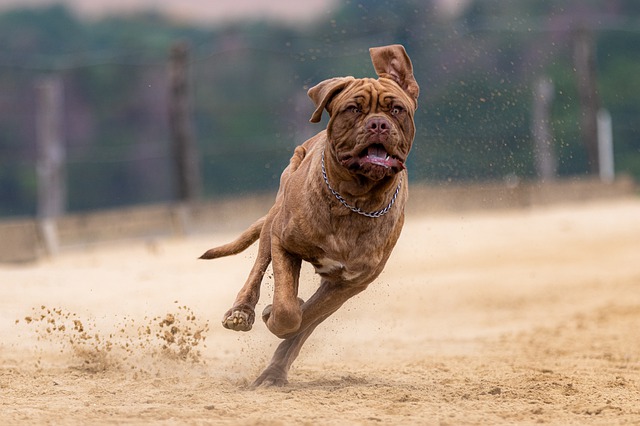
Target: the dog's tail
pixel 240 244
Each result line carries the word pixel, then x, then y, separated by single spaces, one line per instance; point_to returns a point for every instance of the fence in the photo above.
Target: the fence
pixel 130 130
pixel 249 108
pixel 24 240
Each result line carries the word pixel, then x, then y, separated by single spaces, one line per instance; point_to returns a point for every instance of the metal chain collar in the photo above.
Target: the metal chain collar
pixel 340 198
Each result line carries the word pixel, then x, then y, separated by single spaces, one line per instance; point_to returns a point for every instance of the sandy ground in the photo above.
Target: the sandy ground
pixel 509 317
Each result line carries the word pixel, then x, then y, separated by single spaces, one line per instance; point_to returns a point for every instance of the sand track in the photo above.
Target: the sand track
pixel 523 316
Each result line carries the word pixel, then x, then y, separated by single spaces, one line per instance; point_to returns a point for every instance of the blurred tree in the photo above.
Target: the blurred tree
pixel 476 66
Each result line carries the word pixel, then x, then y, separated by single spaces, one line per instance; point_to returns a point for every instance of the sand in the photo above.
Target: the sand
pixel 502 317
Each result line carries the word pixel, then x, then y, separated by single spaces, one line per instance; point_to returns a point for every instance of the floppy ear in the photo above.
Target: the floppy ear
pixel 322 93
pixel 393 62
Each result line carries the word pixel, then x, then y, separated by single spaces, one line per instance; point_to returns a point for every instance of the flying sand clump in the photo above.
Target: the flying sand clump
pixel 176 336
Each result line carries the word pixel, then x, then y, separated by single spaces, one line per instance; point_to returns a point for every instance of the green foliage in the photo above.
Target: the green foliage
pixel 17 190
pixel 619 60
pixel 249 82
pixel 30 33
pixel 466 140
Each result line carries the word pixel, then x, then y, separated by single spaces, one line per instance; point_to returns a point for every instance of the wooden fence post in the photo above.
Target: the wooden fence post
pixel 585 65
pixel 50 162
pixel 185 155
pixel 605 147
pixel 544 155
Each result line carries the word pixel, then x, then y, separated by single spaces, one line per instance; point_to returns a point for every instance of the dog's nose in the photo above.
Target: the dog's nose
pixel 378 125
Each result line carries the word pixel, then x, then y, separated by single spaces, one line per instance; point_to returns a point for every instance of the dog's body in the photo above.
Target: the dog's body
pixel 340 206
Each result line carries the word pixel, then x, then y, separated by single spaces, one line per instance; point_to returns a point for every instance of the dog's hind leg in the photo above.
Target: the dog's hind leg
pixel 242 314
pixel 321 305
pixel 278 369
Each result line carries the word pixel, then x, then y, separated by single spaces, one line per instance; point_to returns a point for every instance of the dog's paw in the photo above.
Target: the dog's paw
pixel 272 376
pixel 239 319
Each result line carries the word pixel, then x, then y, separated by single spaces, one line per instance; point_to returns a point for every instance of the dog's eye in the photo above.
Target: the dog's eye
pixel 354 109
pixel 395 110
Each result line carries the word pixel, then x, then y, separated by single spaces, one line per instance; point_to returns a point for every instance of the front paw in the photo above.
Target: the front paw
pixel 239 318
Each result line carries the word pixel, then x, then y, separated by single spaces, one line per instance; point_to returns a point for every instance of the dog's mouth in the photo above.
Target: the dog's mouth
pixel 374 161
pixel 377 155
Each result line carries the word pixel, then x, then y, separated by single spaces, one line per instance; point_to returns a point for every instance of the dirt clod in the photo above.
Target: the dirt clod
pixel 177 337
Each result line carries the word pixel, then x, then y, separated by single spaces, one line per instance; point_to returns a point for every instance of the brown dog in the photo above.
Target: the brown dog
pixel 340 206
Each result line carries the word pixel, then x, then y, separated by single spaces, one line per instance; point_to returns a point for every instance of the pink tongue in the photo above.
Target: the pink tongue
pixel 377 151
pixel 377 155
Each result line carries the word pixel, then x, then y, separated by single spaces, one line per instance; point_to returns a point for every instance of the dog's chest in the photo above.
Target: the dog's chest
pixel 331 268
pixel 339 261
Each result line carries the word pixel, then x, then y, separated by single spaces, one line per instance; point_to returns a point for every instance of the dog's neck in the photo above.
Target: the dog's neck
pixel 357 193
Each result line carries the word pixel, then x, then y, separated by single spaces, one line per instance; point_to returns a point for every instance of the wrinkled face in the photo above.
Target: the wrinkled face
pixel 371 127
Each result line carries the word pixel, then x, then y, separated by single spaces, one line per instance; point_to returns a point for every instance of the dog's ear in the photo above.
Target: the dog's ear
pixel 393 62
pixel 322 93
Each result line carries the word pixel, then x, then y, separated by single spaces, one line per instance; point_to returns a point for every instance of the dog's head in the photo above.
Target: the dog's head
pixel 371 125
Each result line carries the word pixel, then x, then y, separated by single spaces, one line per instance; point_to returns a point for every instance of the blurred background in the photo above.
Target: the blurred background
pixel 119 100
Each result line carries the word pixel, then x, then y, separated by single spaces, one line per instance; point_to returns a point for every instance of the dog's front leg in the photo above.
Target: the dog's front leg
pixel 284 316
pixel 327 299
